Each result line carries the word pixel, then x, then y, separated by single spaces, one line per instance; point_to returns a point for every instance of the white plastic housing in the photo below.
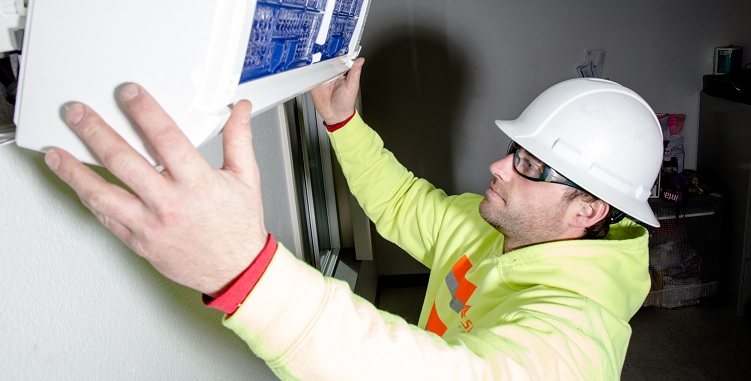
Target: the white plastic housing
pixel 188 53
pixel 12 14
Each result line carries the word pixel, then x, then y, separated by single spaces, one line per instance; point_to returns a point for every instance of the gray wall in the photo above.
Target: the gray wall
pixel 439 72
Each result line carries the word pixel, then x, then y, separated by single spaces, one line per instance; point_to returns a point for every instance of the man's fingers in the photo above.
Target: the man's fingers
pixel 353 75
pixel 113 151
pixel 238 141
pixel 117 209
pixel 173 150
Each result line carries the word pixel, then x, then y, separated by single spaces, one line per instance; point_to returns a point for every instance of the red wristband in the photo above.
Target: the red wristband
pixel 336 126
pixel 231 299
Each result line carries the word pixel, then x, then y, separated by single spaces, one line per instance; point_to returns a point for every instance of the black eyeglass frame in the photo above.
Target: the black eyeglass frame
pixel 548 174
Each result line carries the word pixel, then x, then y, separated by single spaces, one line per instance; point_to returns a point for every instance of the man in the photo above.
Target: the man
pixel 513 293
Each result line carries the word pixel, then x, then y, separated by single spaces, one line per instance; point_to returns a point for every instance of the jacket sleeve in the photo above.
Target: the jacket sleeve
pixel 309 327
pixel 405 209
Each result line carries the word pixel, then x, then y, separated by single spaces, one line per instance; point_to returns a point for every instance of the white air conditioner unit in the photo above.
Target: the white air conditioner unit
pixel 197 57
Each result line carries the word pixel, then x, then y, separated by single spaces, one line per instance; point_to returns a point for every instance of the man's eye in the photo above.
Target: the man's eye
pixel 526 164
pixel 529 168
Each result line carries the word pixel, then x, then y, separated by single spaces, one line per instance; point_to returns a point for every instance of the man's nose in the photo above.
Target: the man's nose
pixel 503 167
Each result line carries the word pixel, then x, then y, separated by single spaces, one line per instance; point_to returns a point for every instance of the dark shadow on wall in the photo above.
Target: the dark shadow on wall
pixel 413 88
pixel 413 91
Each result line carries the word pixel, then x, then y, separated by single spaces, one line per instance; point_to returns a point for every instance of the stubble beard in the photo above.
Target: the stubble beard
pixel 506 223
pixel 519 226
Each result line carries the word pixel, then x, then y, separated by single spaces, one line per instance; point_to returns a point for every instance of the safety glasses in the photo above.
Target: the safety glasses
pixel 533 169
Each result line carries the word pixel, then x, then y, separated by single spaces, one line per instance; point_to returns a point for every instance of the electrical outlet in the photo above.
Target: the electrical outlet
pixel 597 58
pixel 586 70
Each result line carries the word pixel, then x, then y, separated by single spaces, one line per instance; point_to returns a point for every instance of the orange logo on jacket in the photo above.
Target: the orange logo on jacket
pixel 461 290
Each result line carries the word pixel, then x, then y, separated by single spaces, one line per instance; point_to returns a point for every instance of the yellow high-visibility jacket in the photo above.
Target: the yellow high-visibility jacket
pixel 557 310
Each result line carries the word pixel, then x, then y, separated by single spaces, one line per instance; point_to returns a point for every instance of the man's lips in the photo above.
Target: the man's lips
pixel 493 194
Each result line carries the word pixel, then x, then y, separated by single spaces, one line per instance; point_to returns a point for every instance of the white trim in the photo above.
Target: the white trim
pixel 289 176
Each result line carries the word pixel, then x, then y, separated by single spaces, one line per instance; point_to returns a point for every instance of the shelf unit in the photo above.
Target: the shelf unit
pixel 684 250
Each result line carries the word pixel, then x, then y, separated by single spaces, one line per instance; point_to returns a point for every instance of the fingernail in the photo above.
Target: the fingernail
pixel 246 117
pixel 52 159
pixel 75 113
pixel 129 92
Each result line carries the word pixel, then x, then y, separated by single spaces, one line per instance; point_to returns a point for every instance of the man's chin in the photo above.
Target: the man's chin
pixel 485 213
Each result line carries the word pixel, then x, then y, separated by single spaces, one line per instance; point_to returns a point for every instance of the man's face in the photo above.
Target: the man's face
pixel 525 211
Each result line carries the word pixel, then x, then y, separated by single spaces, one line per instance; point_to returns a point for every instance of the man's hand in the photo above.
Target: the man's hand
pixel 198 226
pixel 335 99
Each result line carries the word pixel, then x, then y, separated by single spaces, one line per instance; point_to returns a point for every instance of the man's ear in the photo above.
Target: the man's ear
pixel 590 213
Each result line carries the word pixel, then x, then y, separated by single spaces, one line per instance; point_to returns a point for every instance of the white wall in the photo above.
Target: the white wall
pixel 439 72
pixel 78 305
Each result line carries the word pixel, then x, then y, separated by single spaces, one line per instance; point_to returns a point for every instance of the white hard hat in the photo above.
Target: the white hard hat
pixel 600 135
